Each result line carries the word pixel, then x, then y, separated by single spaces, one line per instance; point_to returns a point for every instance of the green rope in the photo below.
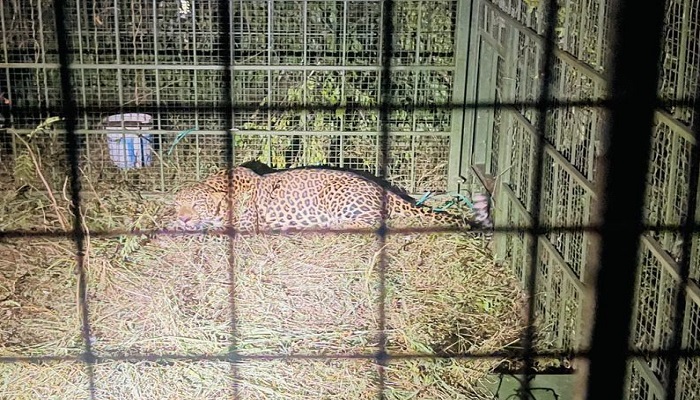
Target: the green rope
pixel 424 198
pixel 179 137
pixel 456 199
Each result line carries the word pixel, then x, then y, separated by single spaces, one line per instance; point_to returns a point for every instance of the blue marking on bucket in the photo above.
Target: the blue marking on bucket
pixel 130 150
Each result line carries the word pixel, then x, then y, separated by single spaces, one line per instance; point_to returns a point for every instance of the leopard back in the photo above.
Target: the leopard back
pixel 317 198
pixel 304 198
pixel 324 198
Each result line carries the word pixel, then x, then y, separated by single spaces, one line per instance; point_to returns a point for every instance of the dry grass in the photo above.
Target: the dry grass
pixel 292 295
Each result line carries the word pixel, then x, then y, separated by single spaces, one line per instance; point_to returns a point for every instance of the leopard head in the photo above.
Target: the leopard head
pixel 204 204
pixel 199 207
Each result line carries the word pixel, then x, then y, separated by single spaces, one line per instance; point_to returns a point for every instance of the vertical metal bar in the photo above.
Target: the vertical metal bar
pixel 158 101
pixel 380 93
pixel 560 129
pixel 195 76
pixel 198 156
pixel 157 70
pixel 343 80
pixel 583 18
pixel 120 83
pixel 633 91
pixel 594 149
pixel 195 73
pixel 305 92
pixel 667 238
pixel 224 16
pixel 566 25
pixel 235 9
pixel 600 51
pixel 416 82
pixel 569 214
pixel 688 226
pixel 660 320
pixel 7 76
pixel 505 158
pixel 556 217
pixel 193 20
pixel 344 59
pixel 520 138
pixel 268 138
pixel 70 113
pixel 117 43
pixel 82 60
pixel 97 61
pixel 381 356
pixel 83 92
pixel 536 187
pixel 466 65
pixel 412 176
pixel 562 307
pixel 42 44
pixel 343 73
pixel 4 29
pixel 7 80
pixel 232 47
pixel 488 122
pixel 684 32
pixel 585 253
pixel 270 46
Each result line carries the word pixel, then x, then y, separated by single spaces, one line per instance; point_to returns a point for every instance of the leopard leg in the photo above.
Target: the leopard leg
pixel 482 215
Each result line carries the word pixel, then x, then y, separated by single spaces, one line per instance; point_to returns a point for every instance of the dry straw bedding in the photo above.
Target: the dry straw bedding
pixel 291 295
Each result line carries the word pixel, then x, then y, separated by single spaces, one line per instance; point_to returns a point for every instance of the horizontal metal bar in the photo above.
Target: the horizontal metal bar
pixel 233 68
pixel 493 43
pixel 249 132
pixel 347 133
pixel 675 125
pixel 171 107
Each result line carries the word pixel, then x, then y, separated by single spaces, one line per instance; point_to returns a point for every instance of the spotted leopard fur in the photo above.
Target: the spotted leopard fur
pixel 302 198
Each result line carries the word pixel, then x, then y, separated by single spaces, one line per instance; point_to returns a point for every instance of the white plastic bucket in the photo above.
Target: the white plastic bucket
pixel 129 150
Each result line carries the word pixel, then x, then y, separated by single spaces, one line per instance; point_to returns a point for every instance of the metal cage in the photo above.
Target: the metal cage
pixel 514 96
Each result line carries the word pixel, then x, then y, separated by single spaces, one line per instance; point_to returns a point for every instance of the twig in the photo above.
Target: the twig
pixel 56 207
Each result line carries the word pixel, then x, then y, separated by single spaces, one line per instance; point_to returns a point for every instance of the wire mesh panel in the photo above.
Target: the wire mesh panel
pixel 573 139
pixel 156 93
pixel 164 58
pixel 112 100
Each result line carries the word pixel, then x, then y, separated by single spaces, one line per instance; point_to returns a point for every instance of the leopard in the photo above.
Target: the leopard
pixel 306 198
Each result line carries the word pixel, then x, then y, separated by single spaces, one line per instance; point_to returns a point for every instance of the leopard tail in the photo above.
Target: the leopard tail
pixel 400 209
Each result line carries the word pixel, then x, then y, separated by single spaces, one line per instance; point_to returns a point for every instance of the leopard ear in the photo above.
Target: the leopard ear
pixel 219 198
